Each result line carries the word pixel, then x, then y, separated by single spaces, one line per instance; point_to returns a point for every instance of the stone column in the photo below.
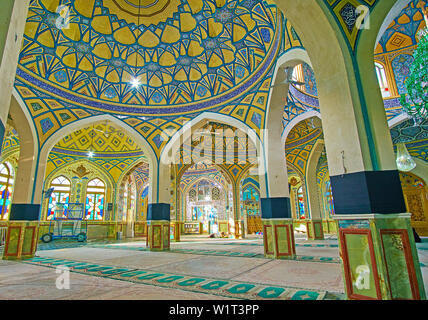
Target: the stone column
pixel 278 232
pixel 13 16
pixel 314 225
pixel 239 228
pixel 159 209
pixel 377 247
pixel 23 226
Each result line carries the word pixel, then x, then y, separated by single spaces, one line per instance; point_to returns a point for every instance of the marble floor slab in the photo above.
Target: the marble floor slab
pixel 317 269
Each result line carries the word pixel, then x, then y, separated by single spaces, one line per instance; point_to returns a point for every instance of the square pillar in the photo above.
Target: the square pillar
pixel 377 246
pixel 278 239
pixel 315 230
pixel 22 232
pixel 158 235
pixel 158 227
pixel 278 230
pixel 176 231
pixel 379 257
pixel 21 240
pixel 239 230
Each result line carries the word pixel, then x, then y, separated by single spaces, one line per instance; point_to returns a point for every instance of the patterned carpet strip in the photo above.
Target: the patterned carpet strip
pixel 219 287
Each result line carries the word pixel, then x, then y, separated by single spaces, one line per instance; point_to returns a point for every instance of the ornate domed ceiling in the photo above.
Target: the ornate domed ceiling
pixel 101 139
pixel 188 55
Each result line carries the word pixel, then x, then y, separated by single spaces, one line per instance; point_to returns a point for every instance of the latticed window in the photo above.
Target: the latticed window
pixel 192 195
pixel 298 76
pixel 204 191
pixel 215 193
pixel 95 199
pixel 383 83
pixel 60 195
pixel 6 189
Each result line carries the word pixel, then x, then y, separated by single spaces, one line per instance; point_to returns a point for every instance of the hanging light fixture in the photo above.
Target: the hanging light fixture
pixel 404 160
pixel 135 82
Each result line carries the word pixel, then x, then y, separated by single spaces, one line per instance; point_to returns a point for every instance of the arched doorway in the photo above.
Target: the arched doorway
pixel 206 201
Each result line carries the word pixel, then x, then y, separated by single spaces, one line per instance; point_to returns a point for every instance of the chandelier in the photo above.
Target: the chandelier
pixel 405 162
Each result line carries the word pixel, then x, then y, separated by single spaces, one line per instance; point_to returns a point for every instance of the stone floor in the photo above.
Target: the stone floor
pixel 195 268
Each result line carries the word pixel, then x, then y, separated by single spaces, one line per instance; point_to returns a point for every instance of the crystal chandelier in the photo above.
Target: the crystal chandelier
pixel 404 160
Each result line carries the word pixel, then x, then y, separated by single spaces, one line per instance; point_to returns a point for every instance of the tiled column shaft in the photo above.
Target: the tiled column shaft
pixel 158 227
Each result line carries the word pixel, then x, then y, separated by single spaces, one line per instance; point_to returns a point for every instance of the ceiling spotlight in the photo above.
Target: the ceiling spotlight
pixel 90 154
pixel 135 83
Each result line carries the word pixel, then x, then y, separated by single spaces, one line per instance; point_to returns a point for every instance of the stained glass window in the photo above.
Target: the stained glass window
pixel 95 198
pixel 301 204
pixel 125 202
pixel 298 76
pixel 383 83
pixel 144 199
pixel 329 197
pixel 61 194
pixel 6 189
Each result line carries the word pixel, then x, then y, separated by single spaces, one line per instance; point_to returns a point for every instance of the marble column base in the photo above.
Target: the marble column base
pixel 21 240
pixel 379 257
pixel 278 239
pixel 158 235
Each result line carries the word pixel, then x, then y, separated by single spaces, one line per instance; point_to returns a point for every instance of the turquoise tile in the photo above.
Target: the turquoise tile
pixel 326 259
pixel 234 253
pixel 57 263
pixel 214 285
pixel 99 269
pixel 305 295
pixel 132 274
pixel 68 264
pixel 47 261
pixel 114 271
pixel 271 292
pixel 241 288
pixel 78 264
pixel 151 276
pixel 87 266
pixel 306 258
pixel 169 279
pixel 191 282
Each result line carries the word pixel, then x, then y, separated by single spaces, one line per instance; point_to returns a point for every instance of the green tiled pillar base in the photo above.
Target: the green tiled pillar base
pixel 21 240
pixel 158 235
pixel 379 257
pixel 315 230
pixel 278 236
